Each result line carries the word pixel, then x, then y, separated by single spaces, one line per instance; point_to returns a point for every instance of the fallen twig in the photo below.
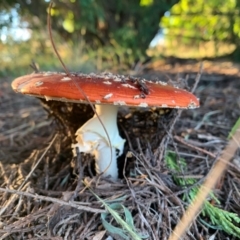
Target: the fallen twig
pixel 53 200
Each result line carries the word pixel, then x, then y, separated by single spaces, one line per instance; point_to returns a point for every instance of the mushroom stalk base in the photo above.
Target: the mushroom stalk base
pixel 92 138
pixel 105 163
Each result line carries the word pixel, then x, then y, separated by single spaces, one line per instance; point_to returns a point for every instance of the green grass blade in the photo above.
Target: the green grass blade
pixel 127 226
pixel 234 129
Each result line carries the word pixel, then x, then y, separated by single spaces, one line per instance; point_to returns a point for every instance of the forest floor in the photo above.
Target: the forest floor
pixel 45 193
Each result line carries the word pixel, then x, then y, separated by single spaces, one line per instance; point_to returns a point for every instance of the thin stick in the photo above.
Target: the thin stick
pixel 204 151
pixel 53 200
pixel 51 39
pixel 163 145
pixel 198 77
pixel 75 83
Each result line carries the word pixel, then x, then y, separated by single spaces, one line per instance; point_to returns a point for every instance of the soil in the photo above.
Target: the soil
pixel 49 194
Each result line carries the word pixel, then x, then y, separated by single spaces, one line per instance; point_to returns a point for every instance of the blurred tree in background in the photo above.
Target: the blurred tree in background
pixel 126 24
pixel 201 21
pixel 131 24
pixel 117 32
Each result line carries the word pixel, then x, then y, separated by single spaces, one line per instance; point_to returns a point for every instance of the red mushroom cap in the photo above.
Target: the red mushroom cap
pixel 105 88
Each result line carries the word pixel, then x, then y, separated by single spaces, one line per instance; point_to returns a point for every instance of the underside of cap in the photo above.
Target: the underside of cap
pixel 105 88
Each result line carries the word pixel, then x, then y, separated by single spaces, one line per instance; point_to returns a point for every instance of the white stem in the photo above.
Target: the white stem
pixel 108 115
pixel 92 138
pixel 106 162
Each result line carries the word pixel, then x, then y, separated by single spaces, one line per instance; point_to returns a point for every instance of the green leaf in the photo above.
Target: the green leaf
pixel 127 230
pixel 68 25
pixel 234 129
pixel 111 229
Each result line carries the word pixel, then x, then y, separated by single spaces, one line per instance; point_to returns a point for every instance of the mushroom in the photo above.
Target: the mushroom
pixel 107 91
